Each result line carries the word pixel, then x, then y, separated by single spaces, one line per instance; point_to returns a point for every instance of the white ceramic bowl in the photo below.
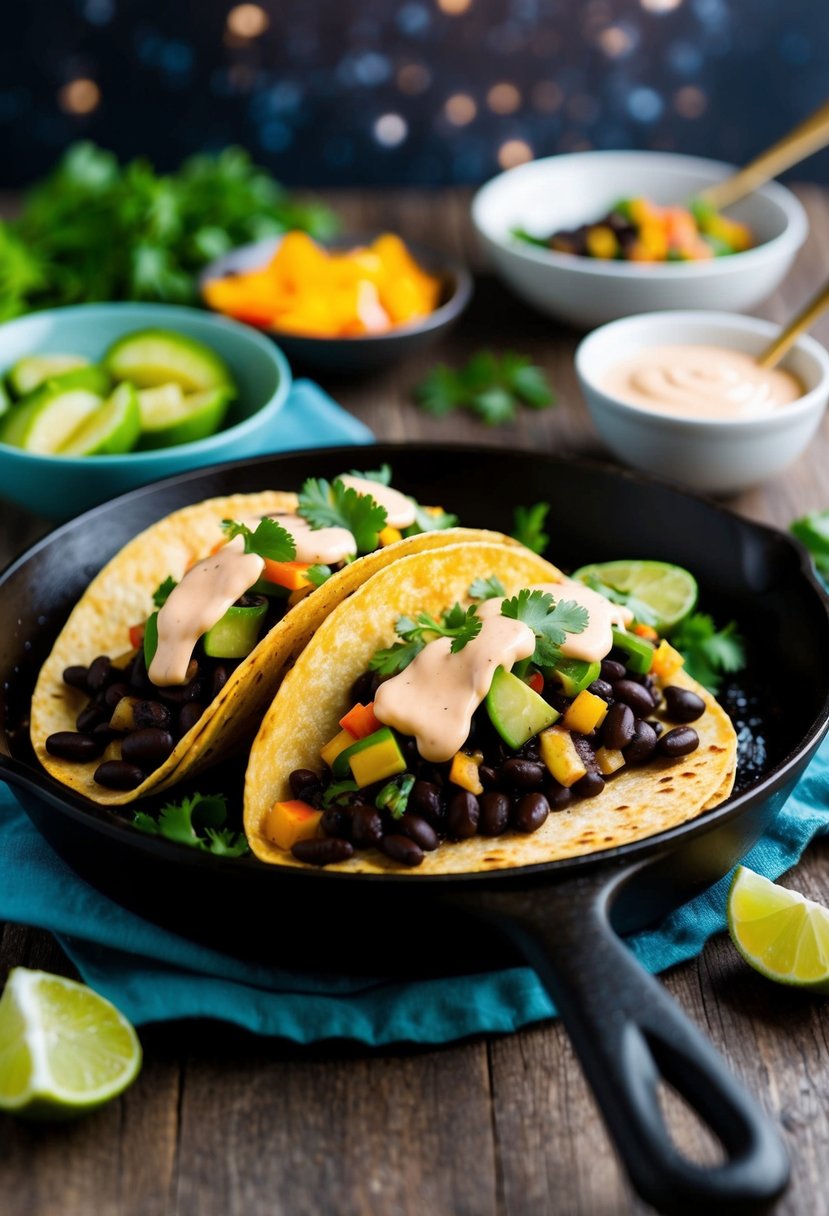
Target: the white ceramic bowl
pixel 713 455
pixel 564 191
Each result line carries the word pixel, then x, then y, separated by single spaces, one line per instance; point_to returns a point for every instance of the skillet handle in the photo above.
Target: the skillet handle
pixel 629 1035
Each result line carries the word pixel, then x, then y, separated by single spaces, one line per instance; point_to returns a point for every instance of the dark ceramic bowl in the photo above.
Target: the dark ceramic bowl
pixel 368 351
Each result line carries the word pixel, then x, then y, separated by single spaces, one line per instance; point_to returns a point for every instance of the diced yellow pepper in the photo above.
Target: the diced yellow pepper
pixel 559 754
pixel 288 822
pixel 464 771
pixel 376 763
pixel 609 760
pixel 389 535
pixel 336 745
pixel 586 713
pixel 601 242
pixel 666 660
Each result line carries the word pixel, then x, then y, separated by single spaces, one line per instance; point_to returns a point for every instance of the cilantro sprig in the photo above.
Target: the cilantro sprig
pixel 813 531
pixel 709 652
pixel 550 620
pixel 491 387
pixel 326 504
pixel 528 526
pixel 382 475
pixel 459 624
pixel 163 591
pixel 269 539
pixel 198 821
pixel 487 588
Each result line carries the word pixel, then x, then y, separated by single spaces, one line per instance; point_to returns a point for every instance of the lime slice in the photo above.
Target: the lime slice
pixel 657 593
pixel 64 1049
pixel 169 416
pixel 48 418
pixel 779 932
pixel 31 371
pixel 113 428
pixel 151 357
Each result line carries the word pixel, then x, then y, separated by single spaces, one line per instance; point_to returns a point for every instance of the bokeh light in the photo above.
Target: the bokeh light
pixel 413 78
pixel 660 6
pixel 247 21
pixel 547 96
pixel 690 101
pixel 514 152
pixel 503 98
pixel 454 7
pixel 80 96
pixel 460 109
pixel 390 130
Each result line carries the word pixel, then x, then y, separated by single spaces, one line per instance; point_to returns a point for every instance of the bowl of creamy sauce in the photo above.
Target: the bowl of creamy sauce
pixel 681 395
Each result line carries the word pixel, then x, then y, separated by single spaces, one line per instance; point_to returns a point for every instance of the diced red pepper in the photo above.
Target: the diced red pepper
pixel 360 721
pixel 137 636
pixel 536 682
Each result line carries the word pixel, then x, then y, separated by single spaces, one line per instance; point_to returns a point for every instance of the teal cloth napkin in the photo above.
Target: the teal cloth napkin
pixel 153 975
pixel 310 419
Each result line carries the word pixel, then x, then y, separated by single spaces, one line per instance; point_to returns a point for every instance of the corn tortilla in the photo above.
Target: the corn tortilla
pixel 636 802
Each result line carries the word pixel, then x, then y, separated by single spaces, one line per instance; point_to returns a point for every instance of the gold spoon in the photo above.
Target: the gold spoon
pixel 787 337
pixel 810 136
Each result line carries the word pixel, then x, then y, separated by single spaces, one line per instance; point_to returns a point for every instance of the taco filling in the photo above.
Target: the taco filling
pixel 488 720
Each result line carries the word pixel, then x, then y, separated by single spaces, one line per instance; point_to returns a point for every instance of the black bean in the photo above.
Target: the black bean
pixel 138 673
pixel 680 741
pixel 418 830
pixel 401 848
pixel 323 852
pixel 220 677
pixel 522 774
pixel 635 695
pixel 75 677
pixel 196 689
pixel 682 705
pixel 589 786
pixel 585 751
pixel 69 745
pixel 462 815
pixel 558 796
pixel 642 745
pixel 103 733
pixel 303 781
pixel 147 747
pixel 114 694
pixel 488 776
pixel 425 800
pixel 90 716
pixel 116 775
pixel 531 812
pixel 336 821
pixel 531 749
pixel 99 674
pixel 619 726
pixel 602 689
pixel 151 713
pixel 656 726
pixel 366 827
pixel 495 809
pixel 364 687
pixel 613 671
pixel 187 717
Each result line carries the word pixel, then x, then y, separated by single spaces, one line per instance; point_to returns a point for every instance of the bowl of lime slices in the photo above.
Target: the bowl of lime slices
pixel 96 399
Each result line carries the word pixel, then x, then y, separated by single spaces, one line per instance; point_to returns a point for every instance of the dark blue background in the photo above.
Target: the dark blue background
pixel 356 91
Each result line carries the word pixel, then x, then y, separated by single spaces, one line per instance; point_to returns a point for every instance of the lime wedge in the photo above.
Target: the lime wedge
pixel 779 932
pixel 48 418
pixel 113 428
pixel 657 593
pixel 169 416
pixel 151 357
pixel 64 1049
pixel 31 371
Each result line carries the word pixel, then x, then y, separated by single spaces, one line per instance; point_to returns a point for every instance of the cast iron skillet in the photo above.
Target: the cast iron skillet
pixel 627 1032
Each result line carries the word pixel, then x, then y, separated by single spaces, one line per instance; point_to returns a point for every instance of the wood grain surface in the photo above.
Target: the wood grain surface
pixel 224 1124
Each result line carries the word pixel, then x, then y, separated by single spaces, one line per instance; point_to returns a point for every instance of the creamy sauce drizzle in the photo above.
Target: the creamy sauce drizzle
pixel 435 697
pixel 199 601
pixel 400 512
pixel 596 640
pixel 327 545
pixel 701 382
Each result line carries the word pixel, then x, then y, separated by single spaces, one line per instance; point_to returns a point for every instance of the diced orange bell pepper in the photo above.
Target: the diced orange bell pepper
pixel 464 771
pixel 646 631
pixel 287 574
pixel 360 721
pixel 288 822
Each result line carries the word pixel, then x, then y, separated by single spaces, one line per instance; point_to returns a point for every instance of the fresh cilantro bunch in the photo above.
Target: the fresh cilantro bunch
pixel 198 821
pixel 491 387
pixel 813 531
pixel 97 230
pixel 269 539
pixel 459 624
pixel 709 652
pixel 528 526
pixel 326 504
pixel 549 619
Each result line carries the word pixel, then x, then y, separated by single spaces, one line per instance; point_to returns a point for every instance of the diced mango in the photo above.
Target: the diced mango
pixel 585 713
pixel 389 535
pixel 123 716
pixel 559 754
pixel 601 242
pixel 609 760
pixel 377 762
pixel 360 721
pixel 464 771
pixel 334 746
pixel 666 660
pixel 288 822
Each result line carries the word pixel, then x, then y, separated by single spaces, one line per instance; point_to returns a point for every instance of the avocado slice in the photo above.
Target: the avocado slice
pixel 31 371
pixel 151 357
pixel 516 712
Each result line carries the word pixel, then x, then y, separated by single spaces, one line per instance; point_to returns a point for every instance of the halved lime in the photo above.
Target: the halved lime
pixel 169 416
pixel 64 1049
pixel 48 418
pixel 779 932
pixel 151 357
pixel 657 593
pixel 31 371
pixel 113 428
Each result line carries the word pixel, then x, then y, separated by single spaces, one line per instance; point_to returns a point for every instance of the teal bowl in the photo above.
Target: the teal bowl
pixel 60 487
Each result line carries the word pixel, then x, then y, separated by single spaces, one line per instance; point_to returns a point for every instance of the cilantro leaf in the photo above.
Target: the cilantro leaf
pixel 382 475
pixel 225 843
pixel 487 588
pixel 528 526
pixel 490 386
pixel 430 519
pixel 526 381
pixel 197 821
pixel 441 391
pixel 163 591
pixel 642 612
pixel 709 652
pixel 334 505
pixel 393 659
pixel 549 619
pixel 813 531
pixel 494 405
pixel 269 539
pixel 459 624
pixel 394 796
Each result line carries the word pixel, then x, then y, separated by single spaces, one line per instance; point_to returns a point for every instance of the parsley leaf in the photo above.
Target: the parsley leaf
pixel 163 591
pixel 709 652
pixel 269 539
pixel 382 475
pixel 813 531
pixel 197 821
pixel 492 387
pixel 487 588
pixel 528 526
pixel 334 505
pixel 549 620
pixel 459 624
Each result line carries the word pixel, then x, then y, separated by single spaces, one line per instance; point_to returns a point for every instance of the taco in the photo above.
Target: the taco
pixel 472 709
pixel 178 646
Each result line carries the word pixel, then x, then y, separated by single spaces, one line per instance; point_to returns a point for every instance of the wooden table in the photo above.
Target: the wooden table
pixel 223 1123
